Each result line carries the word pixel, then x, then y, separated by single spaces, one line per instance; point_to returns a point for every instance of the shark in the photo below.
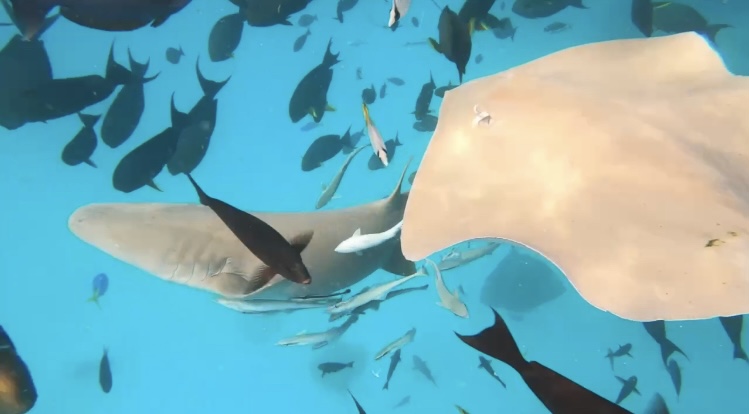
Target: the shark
pixel 188 244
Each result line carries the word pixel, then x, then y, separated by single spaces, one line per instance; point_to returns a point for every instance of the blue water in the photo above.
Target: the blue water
pixel 173 350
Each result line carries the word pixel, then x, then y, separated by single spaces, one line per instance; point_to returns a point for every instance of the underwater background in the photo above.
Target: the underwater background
pixel 173 349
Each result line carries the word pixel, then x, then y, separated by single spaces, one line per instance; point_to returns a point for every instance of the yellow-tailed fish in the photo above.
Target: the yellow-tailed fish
pixel 375 138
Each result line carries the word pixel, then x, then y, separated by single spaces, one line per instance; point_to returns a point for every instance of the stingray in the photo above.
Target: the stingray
pixel 188 244
pixel 520 283
pixel 625 163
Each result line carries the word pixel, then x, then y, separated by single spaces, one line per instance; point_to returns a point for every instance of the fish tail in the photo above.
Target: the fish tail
pixel 668 348
pixel 712 30
pixel 497 342
pixel 350 364
pixel 610 356
pixel 116 73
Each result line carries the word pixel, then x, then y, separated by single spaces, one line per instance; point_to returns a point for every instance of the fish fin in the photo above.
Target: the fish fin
pixel 330 108
pixel 91 163
pixel 312 112
pixel 471 26
pixel 497 342
pixel 712 30
pixel 357 232
pixel 286 22
pixel 636 391
pixel 301 240
pixel 319 345
pixel 153 185
pixel 577 3
pixel 435 45
pixel 622 380
pixel 262 275
pixel 399 265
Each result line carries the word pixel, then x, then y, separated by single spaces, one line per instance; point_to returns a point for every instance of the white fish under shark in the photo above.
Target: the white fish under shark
pixel 359 242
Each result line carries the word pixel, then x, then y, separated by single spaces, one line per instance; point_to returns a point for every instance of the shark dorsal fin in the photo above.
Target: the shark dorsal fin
pixel 357 232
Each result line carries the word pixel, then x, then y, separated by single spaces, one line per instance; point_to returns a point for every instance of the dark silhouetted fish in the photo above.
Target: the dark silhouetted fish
pixel 141 165
pixel 421 366
pixel 629 386
pixel 657 330
pixel 100 286
pixel 322 149
pixel 116 16
pixel 557 393
pixel 674 371
pixel 535 9
pixel 396 81
pixel 415 21
pixel 351 141
pixel 673 17
pixel 375 163
pixel 174 55
pixel 279 256
pixel 332 367
pixel 342 7
pixel 24 64
pixel 306 20
pixel 427 124
pixel 454 40
pixel 82 146
pixel 394 360
pixel 501 28
pixel 225 36
pixel 641 14
pixel 105 373
pixel 17 390
pixel 310 96
pixel 403 402
pixel 57 98
pixel 424 100
pixel 368 95
pixel 195 128
pixel 486 365
pixel 733 325
pixel 556 27
pixel 411 178
pixel 620 352
pixel 127 108
pixel 301 40
pixel 475 13
pixel 264 13
pixel 440 92
pixel 383 90
pixel 479 58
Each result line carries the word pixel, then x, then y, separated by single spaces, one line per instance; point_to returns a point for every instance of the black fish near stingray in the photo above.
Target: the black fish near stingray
pixel 24 64
pixel 278 255
pixel 18 393
pixel 105 372
pixel 310 97
pixel 424 99
pixel 454 40
pixel 536 9
pixel 113 16
pixel 265 13
pixel 124 114
pixel 225 36
pixel 368 95
pixel 80 149
pixel 57 98
pixel 557 393
pixel 323 149
pixel 195 128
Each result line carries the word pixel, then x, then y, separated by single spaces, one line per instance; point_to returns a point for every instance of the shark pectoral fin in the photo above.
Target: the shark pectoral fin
pixel 260 277
pixel 319 345
pixel 301 240
pixel 397 264
pixel 153 185
pixel 636 391
pixel 434 44
pixel 622 380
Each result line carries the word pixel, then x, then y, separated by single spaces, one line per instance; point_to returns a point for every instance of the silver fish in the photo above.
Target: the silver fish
pixel 319 339
pixel 375 138
pixel 329 190
pixel 448 300
pixel 399 343
pixel 375 293
pixel 274 305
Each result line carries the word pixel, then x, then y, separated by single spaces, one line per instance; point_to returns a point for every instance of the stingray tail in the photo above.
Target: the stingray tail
pixel 497 342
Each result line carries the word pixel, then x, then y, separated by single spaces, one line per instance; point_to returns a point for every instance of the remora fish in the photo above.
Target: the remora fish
pixel 375 138
pixel 185 243
pixel 274 305
pixel 278 255
pixel 399 343
pixel 319 339
pixel 359 242
pixel 375 293
pixel 449 301
pixel 456 258
pixel 329 190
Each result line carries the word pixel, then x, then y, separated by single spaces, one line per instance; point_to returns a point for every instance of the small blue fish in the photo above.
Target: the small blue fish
pixel 101 283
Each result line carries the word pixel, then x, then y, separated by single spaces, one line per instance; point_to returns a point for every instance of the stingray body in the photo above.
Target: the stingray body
pixel 521 283
pixel 635 185
pixel 188 244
